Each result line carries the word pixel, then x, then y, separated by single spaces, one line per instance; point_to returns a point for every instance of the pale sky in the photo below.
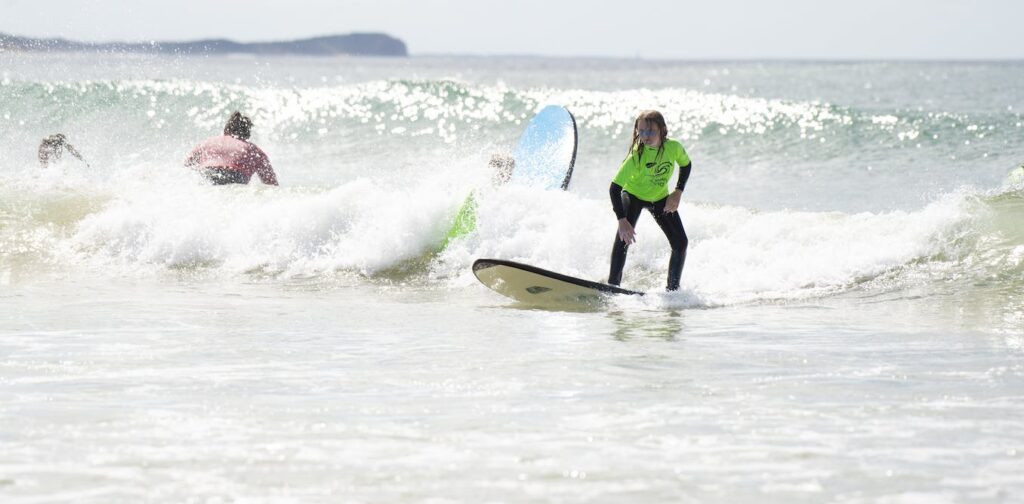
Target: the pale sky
pixel 655 29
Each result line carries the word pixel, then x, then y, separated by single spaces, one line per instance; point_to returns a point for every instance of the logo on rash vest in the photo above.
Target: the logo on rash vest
pixel 659 173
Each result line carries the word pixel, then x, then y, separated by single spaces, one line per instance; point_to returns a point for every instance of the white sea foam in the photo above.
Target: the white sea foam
pixel 168 219
pixel 363 225
pixel 368 225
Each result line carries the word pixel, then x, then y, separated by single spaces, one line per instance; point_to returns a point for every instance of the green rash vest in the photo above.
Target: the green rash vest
pixel 647 176
pixel 463 223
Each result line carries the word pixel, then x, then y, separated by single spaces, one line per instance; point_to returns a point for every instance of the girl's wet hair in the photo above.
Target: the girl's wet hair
pixel 238 126
pixel 651 117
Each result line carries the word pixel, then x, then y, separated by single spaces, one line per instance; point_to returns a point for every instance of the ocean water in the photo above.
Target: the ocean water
pixel 850 327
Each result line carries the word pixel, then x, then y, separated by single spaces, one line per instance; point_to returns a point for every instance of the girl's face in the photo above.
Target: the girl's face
pixel 649 134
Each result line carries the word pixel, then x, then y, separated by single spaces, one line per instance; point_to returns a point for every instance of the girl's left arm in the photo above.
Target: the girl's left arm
pixel 684 175
pixel 672 204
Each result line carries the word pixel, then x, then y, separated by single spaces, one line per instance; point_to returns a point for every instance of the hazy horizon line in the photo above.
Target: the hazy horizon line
pixel 411 53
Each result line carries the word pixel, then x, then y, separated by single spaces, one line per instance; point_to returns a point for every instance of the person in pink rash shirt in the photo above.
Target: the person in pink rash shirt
pixel 231 158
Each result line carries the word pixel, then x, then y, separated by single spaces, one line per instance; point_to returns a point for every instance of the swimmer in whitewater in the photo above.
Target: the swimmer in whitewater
pixel 52 148
pixel 230 158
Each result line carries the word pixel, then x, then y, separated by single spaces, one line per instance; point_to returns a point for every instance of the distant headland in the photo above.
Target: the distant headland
pixel 354 44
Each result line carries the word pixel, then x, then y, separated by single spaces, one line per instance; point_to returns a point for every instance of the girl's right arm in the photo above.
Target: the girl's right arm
pixel 626 231
pixel 615 193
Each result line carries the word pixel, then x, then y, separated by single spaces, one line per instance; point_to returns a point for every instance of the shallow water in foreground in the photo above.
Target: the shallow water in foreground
pixel 352 393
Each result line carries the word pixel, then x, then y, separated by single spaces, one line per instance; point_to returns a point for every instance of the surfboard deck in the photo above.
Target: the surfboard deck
pixel 533 285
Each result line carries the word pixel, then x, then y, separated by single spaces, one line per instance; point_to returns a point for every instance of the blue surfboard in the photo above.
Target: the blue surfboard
pixel 546 151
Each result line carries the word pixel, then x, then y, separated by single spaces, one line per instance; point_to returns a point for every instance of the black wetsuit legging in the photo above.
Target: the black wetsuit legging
pixel 670 224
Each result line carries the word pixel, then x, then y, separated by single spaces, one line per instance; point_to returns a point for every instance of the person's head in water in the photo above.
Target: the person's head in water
pixel 238 126
pixel 649 130
pixel 503 165
pixel 53 147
